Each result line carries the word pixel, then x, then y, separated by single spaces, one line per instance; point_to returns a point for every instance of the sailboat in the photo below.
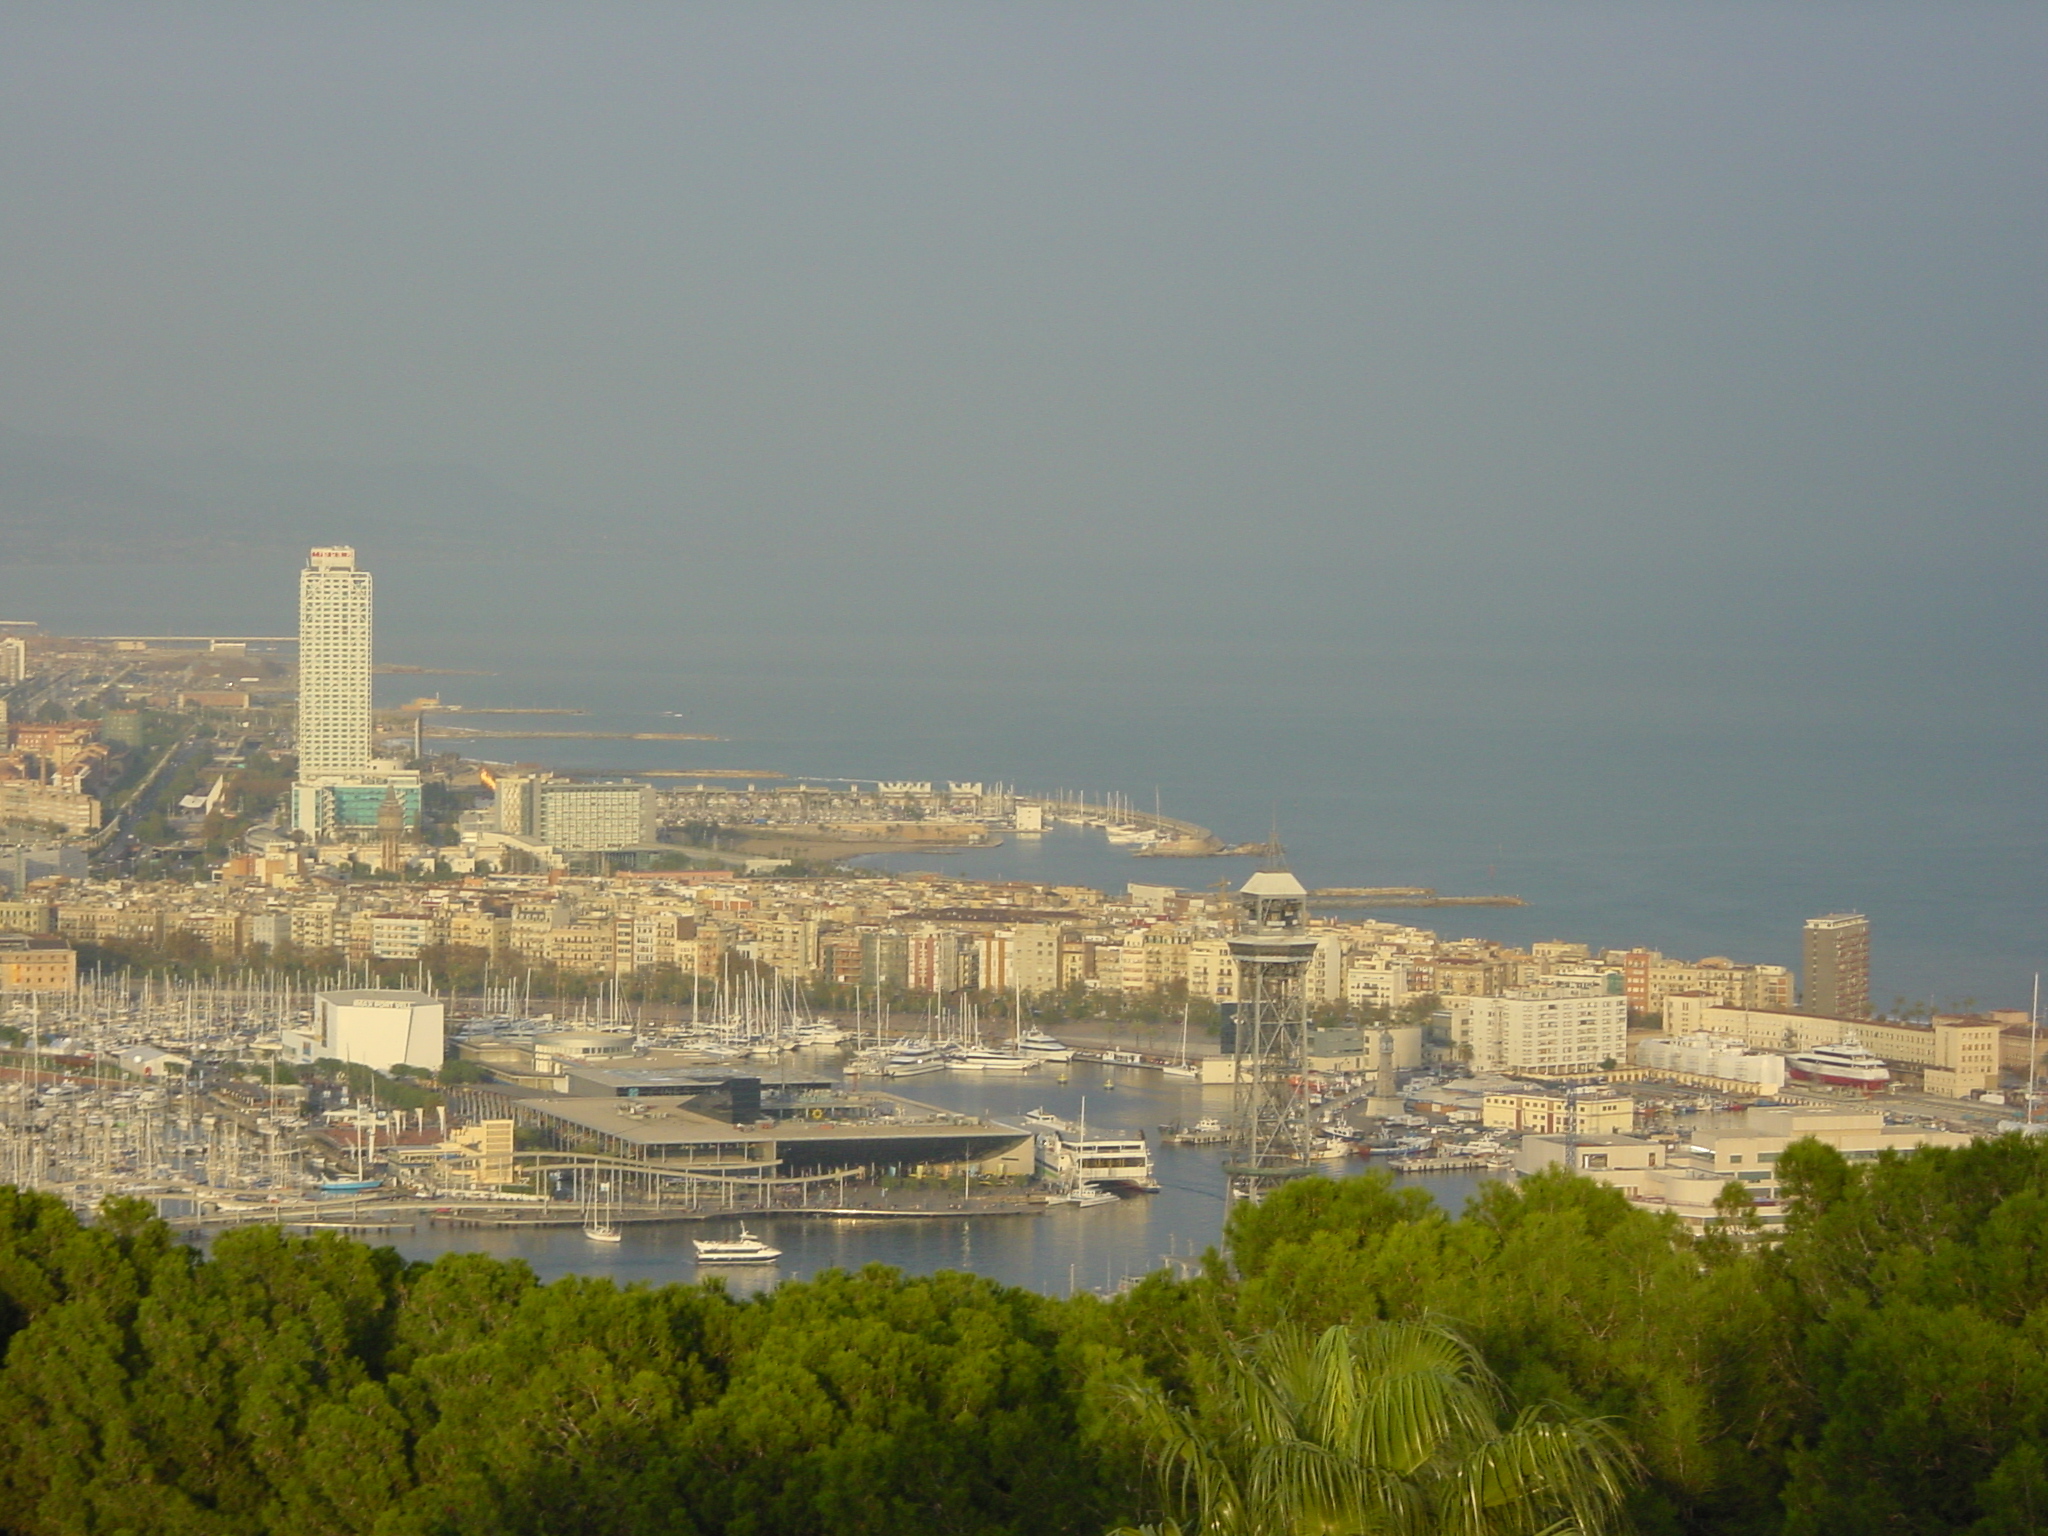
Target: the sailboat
pixel 1182 1068
pixel 600 1224
pixel 362 1183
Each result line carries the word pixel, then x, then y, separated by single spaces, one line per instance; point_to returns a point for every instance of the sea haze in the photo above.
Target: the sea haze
pixel 1588 450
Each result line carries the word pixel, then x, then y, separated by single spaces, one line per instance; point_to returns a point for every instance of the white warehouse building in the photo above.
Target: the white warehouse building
pixel 372 1027
pixel 1720 1056
pixel 1557 1030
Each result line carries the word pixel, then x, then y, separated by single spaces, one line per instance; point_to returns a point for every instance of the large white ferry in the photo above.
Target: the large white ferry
pixel 1072 1156
pixel 1846 1064
pixel 744 1249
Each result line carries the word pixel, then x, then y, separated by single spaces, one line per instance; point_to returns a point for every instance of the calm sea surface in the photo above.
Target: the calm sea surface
pixel 1701 790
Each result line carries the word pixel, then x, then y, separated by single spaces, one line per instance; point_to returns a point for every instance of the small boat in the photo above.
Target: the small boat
pixel 744 1249
pixel 1088 1194
pixel 349 1186
pixel 1044 1118
pixel 602 1234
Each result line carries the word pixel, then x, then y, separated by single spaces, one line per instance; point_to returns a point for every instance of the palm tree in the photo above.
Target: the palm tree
pixel 1385 1429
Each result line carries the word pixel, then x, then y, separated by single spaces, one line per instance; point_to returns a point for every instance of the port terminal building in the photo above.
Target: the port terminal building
pixel 713 1122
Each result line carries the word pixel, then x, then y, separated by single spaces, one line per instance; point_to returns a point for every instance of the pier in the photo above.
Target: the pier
pixel 1403 896
pixel 1184 839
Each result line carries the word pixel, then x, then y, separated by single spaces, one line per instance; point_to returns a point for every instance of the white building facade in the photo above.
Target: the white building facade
pixel 378 1028
pixel 1556 1030
pixel 1716 1056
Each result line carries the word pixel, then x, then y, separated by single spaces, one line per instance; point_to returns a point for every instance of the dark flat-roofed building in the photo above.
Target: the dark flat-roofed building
pixel 891 1134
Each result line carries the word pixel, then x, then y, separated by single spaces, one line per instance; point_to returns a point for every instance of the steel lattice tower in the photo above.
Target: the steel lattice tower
pixel 1270 1128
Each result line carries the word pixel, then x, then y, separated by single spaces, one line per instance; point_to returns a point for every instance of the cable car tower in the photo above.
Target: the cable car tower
pixel 1270 1131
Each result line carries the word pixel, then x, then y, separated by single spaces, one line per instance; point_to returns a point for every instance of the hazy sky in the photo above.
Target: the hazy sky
pixel 1701 301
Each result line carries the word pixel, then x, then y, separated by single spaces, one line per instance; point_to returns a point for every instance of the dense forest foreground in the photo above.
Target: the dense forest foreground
pixel 1884 1369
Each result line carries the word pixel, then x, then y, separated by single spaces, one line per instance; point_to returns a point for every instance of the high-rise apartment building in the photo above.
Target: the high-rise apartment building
pixel 334 665
pixel 13 659
pixel 341 788
pixel 1836 970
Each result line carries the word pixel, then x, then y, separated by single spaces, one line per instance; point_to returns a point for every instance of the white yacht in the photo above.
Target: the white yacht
pixel 1036 1042
pixel 1087 1194
pixel 915 1060
pixel 744 1249
pixel 983 1058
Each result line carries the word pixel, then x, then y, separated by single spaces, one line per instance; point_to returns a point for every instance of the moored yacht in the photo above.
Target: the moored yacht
pixel 744 1249
pixel 1036 1042
pixel 913 1060
pixel 983 1058
pixel 1846 1064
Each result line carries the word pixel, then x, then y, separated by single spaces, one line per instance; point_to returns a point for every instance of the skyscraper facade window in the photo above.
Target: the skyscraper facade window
pixel 1836 956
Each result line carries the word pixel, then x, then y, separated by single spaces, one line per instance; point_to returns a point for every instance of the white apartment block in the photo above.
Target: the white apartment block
pixel 1376 983
pixel 1540 1029
pixel 576 817
pixel 13 662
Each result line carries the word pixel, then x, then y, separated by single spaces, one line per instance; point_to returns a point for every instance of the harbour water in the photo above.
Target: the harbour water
pixel 1066 1248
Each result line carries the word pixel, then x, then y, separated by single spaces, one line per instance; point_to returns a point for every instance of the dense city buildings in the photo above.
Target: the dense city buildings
pixel 1835 964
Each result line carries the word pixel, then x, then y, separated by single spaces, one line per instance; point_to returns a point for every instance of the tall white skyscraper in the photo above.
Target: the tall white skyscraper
pixel 334 665
pixel 341 788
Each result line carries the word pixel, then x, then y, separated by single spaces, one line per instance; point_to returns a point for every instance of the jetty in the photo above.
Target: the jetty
pixel 1403 896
